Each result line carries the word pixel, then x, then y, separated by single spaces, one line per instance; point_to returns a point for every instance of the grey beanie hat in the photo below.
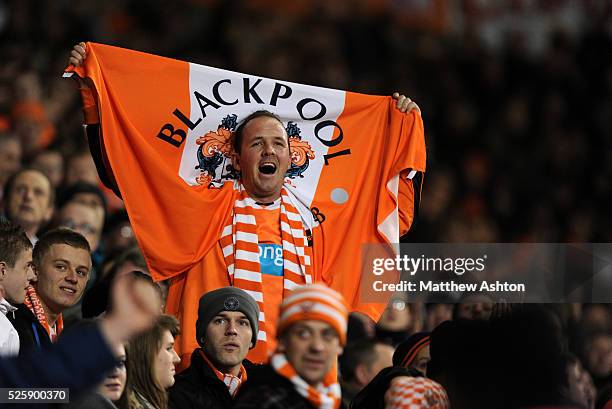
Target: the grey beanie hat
pixel 226 299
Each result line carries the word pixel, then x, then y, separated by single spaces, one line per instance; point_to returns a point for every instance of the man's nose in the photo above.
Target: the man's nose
pixel 28 194
pixel 269 149
pixel 72 277
pixel 175 357
pixel 30 274
pixel 316 344
pixel 231 328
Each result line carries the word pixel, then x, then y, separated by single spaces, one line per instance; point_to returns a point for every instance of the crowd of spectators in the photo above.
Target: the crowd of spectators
pixel 516 138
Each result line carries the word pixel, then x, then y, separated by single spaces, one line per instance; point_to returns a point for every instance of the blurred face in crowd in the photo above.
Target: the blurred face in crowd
pixel 384 358
pixel 165 360
pixel 437 314
pixel 599 355
pixel 114 384
pixel 89 199
pixel 577 388
pixel 597 318
pixel 475 307
pixel 62 276
pixel 30 130
pixel 311 347
pixel 421 360
pixel 29 201
pixel 83 219
pixel 227 340
pixel 15 279
pixel 396 317
pixel 264 158
pixel 81 168
pixel 10 158
pixel 51 163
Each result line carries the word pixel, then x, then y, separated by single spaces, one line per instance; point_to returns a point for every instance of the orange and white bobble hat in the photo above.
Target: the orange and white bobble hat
pixel 314 302
pixel 415 393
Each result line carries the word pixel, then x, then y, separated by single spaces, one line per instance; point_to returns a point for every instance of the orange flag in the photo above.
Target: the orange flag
pixel 166 142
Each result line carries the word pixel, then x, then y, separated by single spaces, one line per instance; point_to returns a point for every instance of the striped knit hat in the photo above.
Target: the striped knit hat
pixel 415 393
pixel 406 352
pixel 314 302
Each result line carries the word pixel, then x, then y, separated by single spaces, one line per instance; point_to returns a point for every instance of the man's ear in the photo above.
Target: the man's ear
pixel 3 271
pixel 280 347
pixel 236 160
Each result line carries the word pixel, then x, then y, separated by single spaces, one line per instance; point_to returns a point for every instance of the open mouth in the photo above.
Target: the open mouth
pixel 267 168
pixel 68 290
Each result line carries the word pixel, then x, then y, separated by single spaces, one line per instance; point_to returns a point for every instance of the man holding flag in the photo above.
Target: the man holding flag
pixel 221 191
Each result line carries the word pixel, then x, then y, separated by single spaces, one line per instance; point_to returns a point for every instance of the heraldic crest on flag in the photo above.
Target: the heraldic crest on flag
pixel 216 148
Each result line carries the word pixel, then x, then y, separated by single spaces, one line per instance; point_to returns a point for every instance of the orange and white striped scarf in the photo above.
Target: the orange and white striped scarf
pixel 232 382
pixel 33 303
pixel 239 242
pixel 326 395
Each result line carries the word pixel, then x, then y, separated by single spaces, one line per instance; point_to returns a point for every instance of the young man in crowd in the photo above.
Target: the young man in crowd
pixel 302 373
pixel 28 201
pixel 227 327
pixel 82 358
pixel 62 262
pixel 15 275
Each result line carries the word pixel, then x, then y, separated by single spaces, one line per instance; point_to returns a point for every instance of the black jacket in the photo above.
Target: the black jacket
pixel 78 361
pixel 197 387
pixel 266 389
pixel 373 395
pixel 32 335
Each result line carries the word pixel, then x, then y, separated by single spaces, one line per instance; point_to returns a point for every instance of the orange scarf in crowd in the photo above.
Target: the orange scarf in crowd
pixel 326 395
pixel 232 382
pixel 33 303
pixel 240 247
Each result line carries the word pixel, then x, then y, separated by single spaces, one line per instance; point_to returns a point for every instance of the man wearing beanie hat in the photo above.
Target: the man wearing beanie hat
pixel 302 373
pixel 226 329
